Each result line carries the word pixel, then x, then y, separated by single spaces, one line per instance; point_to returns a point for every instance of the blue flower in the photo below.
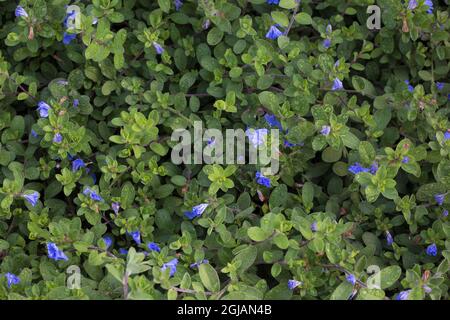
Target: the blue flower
pixel 426 288
pixel 136 235
pixel 325 130
pixel 357 168
pixel 34 133
pixel 410 87
pixel 337 85
pixel 405 159
pixel 123 251
pixel 108 241
pixel 178 4
pixel 94 196
pixel 262 180
pixel 76 102
pixel 373 168
pixel 57 138
pixel 445 213
pixel 292 284
pixel 314 226
pixel 403 295
pixel 288 144
pixel 196 264
pixel 70 16
pixel 68 37
pixel 429 3
pixel 115 206
pixel 211 141
pixel 77 164
pixel 43 108
pixel 153 247
pixel 196 211
pixel 32 198
pixel 273 33
pixel 351 279
pixel 439 86
pixel 256 137
pixel 412 4
pixel 55 253
pixel 440 198
pixel 389 238
pixel 326 43
pixel 432 250
pixel 273 1
pixel 272 121
pixel 158 48
pixel 329 29
pixel 172 265
pixel 20 12
pixel 12 279
pixel 206 24
pixel 447 135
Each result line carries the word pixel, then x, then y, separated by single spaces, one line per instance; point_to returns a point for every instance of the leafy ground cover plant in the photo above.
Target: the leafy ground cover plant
pixel 93 207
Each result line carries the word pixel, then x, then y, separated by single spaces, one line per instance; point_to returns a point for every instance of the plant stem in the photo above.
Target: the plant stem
pixel 174 111
pixel 125 285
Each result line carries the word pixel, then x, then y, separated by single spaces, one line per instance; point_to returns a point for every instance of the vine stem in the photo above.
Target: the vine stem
pixel 197 95
pixel 109 254
pixel 208 293
pixel 116 179
pixel 20 86
pixel 190 291
pixel 27 92
pixel 291 22
pixel 350 91
pixel 180 115
pixel 125 285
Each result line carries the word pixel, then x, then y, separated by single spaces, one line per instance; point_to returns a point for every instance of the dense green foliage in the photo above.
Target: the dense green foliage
pixel 98 151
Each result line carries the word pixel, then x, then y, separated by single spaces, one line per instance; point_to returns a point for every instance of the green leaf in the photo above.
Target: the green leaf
pixel 280 18
pixel 246 258
pixel 257 234
pixel 370 294
pixel 390 193
pixel 366 152
pixel 281 241
pixel 269 100
pixel 308 194
pixel 342 292
pixel 288 4
pixel 279 196
pixel 425 75
pixel 303 18
pixel 164 5
pixel 385 278
pixel 209 277
pixel 331 155
pixel 363 85
pixel 127 195
pixel 350 140
pixel 214 36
